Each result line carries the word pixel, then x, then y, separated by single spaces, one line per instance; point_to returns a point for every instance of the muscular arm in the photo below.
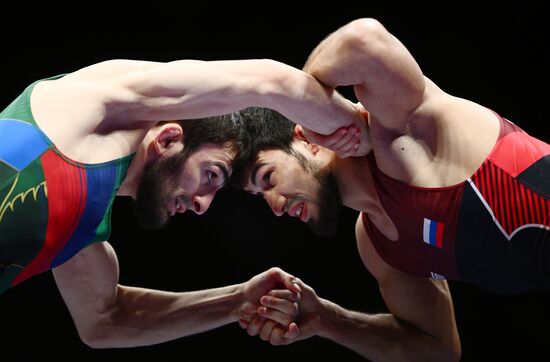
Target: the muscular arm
pixel 109 315
pixel 386 78
pixel 421 326
pixel 148 91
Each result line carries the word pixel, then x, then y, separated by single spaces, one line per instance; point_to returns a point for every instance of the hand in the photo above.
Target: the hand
pixel 274 318
pixel 307 322
pixel 260 285
pixel 350 141
pixel 345 141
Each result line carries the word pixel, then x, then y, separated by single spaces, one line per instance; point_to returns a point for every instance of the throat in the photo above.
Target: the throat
pixel 355 183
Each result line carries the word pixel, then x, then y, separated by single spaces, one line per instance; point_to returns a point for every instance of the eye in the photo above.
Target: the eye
pixel 210 175
pixel 266 178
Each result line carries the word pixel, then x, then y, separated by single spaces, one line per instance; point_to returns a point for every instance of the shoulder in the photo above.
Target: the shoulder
pixel 109 69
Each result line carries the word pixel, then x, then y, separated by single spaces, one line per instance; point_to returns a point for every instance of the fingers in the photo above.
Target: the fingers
pixel 280 306
pixel 288 280
pixel 348 135
pixel 272 332
pixel 243 323
pixel 275 315
pixel 277 335
pixel 283 294
pixel 280 337
pixel 291 284
pixel 280 310
pixel 345 141
pixel 255 326
pixel 348 144
pixel 348 150
pixel 267 329
pixel 292 332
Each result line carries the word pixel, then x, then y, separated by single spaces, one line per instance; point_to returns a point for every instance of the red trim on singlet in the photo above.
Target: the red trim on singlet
pixel 407 206
pixel 512 203
pixel 510 146
pixel 62 179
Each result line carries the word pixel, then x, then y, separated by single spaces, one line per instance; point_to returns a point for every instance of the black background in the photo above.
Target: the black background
pixel 497 57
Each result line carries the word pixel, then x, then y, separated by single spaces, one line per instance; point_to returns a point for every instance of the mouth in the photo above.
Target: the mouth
pixel 300 211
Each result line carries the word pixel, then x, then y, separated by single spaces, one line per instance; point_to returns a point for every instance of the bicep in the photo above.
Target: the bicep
pixel 386 78
pixel 129 90
pixel 88 282
pixel 186 89
pixel 425 303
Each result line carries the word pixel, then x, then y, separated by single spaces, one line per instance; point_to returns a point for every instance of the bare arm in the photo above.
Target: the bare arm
pixel 420 326
pixel 386 78
pixel 147 91
pixel 109 315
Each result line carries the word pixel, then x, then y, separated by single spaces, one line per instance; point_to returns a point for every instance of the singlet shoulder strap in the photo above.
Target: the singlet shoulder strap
pixel 20 108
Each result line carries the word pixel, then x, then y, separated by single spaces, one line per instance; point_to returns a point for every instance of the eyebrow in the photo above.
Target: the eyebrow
pixel 255 171
pixel 224 171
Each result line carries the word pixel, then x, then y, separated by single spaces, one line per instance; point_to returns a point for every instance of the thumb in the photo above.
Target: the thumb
pixel 292 285
pixel 292 332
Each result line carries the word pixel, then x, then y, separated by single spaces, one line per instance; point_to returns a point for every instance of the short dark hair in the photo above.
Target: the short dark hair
pixel 266 129
pixel 225 131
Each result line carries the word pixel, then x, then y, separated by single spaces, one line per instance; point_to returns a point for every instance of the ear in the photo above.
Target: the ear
pixel 301 134
pixel 169 138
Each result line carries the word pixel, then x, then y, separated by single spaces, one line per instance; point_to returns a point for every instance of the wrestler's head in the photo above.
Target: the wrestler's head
pixel 188 162
pixel 290 173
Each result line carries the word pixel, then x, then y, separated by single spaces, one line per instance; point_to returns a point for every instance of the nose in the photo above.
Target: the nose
pixel 201 203
pixel 277 202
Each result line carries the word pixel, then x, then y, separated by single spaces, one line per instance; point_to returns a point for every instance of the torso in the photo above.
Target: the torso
pixel 56 199
pixel 446 141
pixel 448 221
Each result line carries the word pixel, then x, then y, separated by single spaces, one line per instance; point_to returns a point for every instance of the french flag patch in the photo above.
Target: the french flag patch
pixel 433 233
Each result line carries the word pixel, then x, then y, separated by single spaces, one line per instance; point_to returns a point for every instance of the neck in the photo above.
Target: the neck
pixel 133 177
pixel 354 178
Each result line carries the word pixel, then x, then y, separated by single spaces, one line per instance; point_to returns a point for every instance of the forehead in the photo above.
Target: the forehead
pixel 215 152
pixel 272 155
pixel 270 159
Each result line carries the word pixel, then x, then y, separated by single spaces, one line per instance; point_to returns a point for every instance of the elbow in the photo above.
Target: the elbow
pixel 99 331
pixel 95 337
pixel 94 344
pixel 452 356
pixel 454 348
pixel 364 35
pixel 455 352
pixel 450 353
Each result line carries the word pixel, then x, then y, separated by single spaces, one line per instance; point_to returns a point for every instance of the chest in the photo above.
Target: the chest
pixel 436 149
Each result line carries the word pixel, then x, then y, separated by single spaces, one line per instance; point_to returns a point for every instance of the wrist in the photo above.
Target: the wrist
pixel 328 319
pixel 238 296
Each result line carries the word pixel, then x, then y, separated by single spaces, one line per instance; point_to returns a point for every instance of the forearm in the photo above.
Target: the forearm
pixel 144 316
pixel 194 89
pixel 380 337
pixel 304 100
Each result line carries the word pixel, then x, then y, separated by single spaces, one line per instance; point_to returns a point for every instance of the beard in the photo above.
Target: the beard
pixel 154 189
pixel 329 204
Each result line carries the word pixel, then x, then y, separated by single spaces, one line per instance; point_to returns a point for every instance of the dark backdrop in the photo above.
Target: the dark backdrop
pixel 496 57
